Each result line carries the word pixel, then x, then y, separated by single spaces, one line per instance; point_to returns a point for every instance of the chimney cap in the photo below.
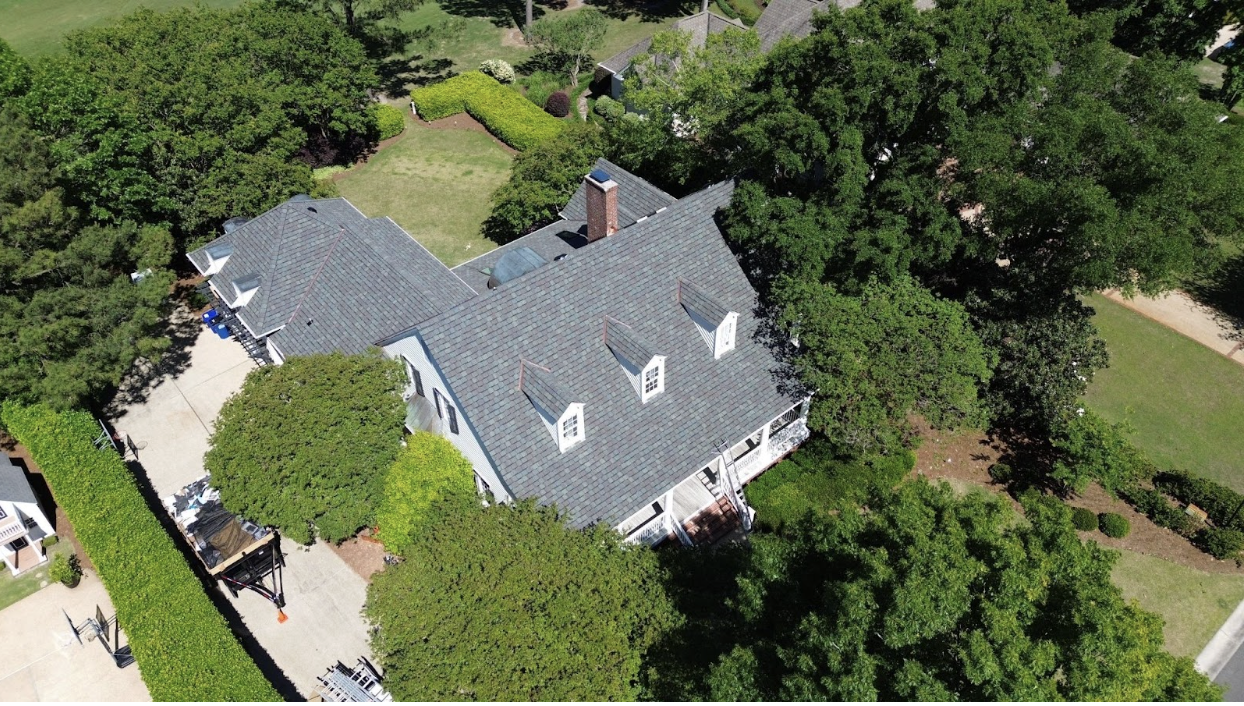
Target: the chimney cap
pixel 600 176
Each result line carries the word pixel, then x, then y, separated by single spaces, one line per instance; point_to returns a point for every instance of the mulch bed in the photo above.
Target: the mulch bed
pixel 365 557
pixel 967 456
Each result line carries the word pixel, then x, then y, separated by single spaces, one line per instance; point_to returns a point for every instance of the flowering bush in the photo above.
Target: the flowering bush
pixel 498 69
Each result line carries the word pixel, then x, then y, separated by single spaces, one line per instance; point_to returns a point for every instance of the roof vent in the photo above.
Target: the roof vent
pixel 559 258
pixel 515 264
pixel 600 175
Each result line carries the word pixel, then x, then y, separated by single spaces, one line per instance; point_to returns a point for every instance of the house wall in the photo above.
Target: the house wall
pixel 34 511
pixel 412 349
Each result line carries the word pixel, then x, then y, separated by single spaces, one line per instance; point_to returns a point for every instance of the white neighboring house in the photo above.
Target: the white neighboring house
pixel 617 67
pixel 23 525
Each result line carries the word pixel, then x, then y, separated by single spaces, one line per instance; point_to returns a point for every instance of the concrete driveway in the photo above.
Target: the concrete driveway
pixel 41 661
pixel 169 420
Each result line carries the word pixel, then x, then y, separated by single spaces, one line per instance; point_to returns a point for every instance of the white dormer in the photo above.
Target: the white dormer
pixel 643 367
pixel 723 337
pixel 718 326
pixel 217 256
pixel 244 289
pixel 562 418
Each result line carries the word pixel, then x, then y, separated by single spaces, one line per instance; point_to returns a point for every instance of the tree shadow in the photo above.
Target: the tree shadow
pixel 1223 291
pixel 1025 462
pixel 502 13
pixel 397 76
pixel 182 328
pixel 647 10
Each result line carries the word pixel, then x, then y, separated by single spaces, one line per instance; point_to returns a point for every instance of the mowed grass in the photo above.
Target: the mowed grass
pixel 436 184
pixel 15 588
pixel 36 27
pixel 1185 402
pixel 1193 603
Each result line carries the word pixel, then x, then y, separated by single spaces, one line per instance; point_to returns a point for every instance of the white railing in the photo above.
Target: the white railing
pixel 788 438
pixel 12 531
pixel 652 531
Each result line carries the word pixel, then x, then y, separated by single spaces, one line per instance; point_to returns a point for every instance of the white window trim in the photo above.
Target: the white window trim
pixel 216 264
pixel 564 443
pixel 657 365
pixel 726 335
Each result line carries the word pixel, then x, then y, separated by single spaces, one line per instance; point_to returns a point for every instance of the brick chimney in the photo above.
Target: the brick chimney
pixel 602 205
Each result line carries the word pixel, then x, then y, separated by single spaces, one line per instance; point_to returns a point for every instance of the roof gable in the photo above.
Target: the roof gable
pixel 14 487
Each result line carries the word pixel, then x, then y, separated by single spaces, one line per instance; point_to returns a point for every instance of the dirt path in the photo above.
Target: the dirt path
pixel 1179 312
pixel 583 105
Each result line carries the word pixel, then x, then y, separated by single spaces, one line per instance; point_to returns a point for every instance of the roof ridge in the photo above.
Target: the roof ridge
pixel 314 278
pixel 271 268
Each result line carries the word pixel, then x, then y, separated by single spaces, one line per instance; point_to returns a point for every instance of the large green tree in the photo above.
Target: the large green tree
pixel 928 596
pixel 570 40
pixel 304 446
pixel 542 180
pixel 876 358
pixel 72 319
pixel 507 603
pixel 195 115
pixel 429 478
pixel 687 96
pixel 1180 28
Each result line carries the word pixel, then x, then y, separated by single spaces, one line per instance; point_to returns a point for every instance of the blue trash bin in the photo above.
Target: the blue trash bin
pixel 221 330
pixel 209 316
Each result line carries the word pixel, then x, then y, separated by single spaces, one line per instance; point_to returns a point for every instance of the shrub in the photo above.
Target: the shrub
pixel 184 648
pixel 1218 501
pixel 558 104
pixel 322 173
pixel 1083 519
pixel 1001 473
pixel 1114 525
pixel 540 85
pixel 50 541
pixel 1155 505
pixel 388 121
pixel 429 477
pixel 814 480
pixel 609 109
pixel 503 111
pixel 1093 449
pixel 66 569
pixel 1220 543
pixel 498 69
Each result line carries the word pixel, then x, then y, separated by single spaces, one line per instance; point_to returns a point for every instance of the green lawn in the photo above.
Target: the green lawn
pixel 35 27
pixel 13 589
pixel 1185 401
pixel 1193 603
pixel 436 184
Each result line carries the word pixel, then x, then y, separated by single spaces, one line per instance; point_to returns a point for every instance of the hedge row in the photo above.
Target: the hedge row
pixel 184 648
pixel 1224 506
pixel 515 120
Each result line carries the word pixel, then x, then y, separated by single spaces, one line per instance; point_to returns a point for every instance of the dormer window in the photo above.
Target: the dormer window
pixel 217 255
pixel 642 366
pixel 245 288
pixel 562 418
pixel 717 324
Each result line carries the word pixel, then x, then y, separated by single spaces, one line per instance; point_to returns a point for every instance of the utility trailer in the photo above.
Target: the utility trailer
pixel 240 554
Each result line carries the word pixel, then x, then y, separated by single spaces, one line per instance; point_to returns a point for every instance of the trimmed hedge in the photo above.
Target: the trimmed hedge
pixel 1083 519
pixel 1218 501
pixel 1114 525
pixel 1220 543
pixel 184 648
pixel 515 120
pixel 389 121
pixel 1156 507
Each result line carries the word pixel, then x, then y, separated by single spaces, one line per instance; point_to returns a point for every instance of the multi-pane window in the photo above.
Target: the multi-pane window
pixel 453 418
pixel 570 427
pixel 652 379
pixel 415 377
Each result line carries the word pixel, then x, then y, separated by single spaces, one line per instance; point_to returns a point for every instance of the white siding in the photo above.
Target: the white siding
pixel 411 349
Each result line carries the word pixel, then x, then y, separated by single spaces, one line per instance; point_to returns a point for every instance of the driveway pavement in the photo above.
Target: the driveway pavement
pixel 169 421
pixel 41 661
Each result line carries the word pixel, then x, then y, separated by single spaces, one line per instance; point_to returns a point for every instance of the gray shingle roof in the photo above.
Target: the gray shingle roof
pixel 636 197
pixel 624 342
pixel 695 298
pixel 333 278
pixel 632 451
pixel 700 25
pixel 560 238
pixel 793 18
pixel 541 387
pixel 14 487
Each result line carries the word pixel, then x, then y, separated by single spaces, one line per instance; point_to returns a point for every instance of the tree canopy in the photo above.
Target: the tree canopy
pixel 429 478
pixel 507 603
pixel 1180 28
pixel 542 180
pixel 927 596
pixel 571 39
pixel 72 319
pixel 303 446
pixel 874 359
pixel 195 115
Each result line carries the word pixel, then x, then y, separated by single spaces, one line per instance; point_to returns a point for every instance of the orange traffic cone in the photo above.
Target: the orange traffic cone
pixel 281 616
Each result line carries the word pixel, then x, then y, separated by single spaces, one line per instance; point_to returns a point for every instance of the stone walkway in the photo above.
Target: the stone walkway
pixel 1179 312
